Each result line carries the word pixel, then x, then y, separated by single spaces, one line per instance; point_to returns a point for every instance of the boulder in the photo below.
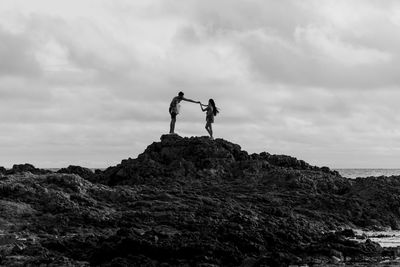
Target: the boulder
pixel 21 168
pixel 85 173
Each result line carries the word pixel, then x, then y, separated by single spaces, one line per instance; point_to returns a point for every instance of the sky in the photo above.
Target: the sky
pixel 89 82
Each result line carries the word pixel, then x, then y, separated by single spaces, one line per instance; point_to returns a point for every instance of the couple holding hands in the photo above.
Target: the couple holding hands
pixel 211 110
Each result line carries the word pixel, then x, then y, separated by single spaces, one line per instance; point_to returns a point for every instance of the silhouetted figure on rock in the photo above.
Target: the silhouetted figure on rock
pixel 212 111
pixel 174 109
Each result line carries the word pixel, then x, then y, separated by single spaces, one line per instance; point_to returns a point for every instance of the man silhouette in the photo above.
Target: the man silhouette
pixel 174 109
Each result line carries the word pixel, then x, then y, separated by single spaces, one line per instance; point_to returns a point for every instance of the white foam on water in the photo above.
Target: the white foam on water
pixel 388 238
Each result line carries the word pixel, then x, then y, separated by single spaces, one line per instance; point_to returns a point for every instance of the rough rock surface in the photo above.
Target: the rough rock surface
pixel 193 202
pixel 85 173
pixel 19 168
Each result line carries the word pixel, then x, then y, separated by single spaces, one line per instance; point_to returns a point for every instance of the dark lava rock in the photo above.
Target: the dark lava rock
pixel 185 158
pixel 3 170
pixel 192 202
pixel 347 233
pixel 20 168
pixel 85 173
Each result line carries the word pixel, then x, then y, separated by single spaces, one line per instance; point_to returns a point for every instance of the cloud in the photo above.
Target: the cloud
pixel 17 57
pixel 90 83
pixel 317 59
pixel 315 45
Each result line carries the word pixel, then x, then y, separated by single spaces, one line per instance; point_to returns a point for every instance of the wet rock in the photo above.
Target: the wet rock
pixel 347 233
pixel 371 248
pixel 337 255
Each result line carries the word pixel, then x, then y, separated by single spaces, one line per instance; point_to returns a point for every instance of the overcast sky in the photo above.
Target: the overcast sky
pixel 89 82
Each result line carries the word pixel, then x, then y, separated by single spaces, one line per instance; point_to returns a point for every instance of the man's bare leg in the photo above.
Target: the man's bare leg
pixel 172 126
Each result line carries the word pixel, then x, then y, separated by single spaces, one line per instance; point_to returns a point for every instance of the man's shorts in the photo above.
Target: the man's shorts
pixel 172 112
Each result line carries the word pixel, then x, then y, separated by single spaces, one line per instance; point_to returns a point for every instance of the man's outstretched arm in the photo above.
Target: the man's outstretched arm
pixel 190 100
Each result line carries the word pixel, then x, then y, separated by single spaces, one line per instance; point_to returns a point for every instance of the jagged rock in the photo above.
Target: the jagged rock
pixel 183 158
pixel 347 233
pixel 3 170
pixel 85 173
pixel 192 202
pixel 20 168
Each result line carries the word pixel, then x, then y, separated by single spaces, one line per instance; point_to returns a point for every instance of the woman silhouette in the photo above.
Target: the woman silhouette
pixel 212 111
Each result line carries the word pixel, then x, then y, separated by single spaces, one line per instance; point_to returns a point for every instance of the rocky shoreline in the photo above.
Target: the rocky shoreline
pixel 193 202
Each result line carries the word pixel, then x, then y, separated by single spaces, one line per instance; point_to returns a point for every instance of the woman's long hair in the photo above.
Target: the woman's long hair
pixel 215 109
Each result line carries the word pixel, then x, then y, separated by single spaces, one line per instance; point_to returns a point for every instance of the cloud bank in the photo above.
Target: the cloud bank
pixel 90 82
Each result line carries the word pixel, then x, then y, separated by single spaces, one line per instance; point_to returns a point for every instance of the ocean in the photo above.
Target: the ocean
pixel 388 238
pixel 355 173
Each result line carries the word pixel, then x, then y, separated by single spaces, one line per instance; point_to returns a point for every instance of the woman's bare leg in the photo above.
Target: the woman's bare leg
pixel 209 129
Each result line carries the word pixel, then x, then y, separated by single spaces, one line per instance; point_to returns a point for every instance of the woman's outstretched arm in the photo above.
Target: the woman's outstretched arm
pixel 202 105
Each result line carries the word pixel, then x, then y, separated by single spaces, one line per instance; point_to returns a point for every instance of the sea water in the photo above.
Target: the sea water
pixel 385 238
pixel 389 238
pixel 355 173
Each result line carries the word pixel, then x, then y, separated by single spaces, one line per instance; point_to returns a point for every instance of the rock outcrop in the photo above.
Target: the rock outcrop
pixel 20 168
pixel 198 157
pixel 192 202
pixel 85 173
